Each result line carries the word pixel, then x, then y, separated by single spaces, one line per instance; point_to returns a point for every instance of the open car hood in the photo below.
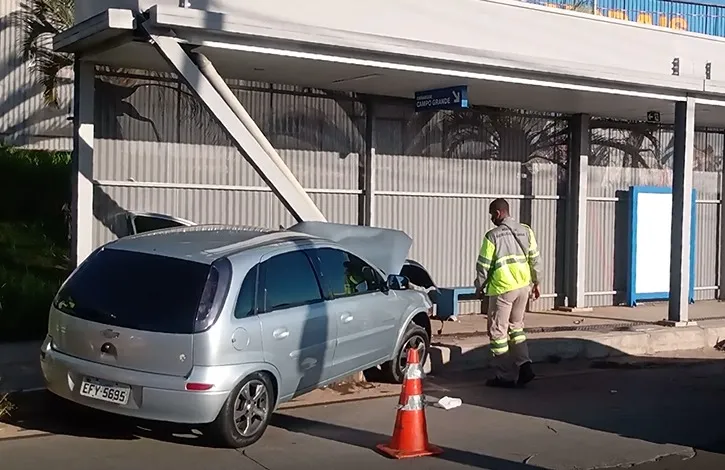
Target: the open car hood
pixel 385 248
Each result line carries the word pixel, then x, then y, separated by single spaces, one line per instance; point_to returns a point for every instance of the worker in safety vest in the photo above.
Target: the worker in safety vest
pixel 508 273
pixel 353 277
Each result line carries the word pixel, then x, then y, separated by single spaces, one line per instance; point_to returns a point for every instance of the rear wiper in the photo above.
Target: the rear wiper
pixel 95 312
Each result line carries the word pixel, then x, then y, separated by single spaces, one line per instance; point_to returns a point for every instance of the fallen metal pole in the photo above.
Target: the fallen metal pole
pixel 240 127
pixel 216 80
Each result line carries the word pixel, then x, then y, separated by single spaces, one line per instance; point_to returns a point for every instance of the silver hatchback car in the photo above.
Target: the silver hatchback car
pixel 219 325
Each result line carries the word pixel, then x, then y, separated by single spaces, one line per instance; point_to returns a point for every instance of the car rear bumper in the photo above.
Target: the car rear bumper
pixel 149 399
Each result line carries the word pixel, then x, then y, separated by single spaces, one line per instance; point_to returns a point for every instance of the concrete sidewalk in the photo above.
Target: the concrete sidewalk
pixel 454 353
pixel 603 333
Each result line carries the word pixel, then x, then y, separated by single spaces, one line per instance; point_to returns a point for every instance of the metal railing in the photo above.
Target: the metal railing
pixel 687 16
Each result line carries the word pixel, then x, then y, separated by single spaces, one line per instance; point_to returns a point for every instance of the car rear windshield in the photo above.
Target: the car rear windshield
pixel 136 290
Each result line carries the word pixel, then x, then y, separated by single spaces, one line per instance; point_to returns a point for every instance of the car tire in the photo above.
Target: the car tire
pixel 242 403
pixel 394 370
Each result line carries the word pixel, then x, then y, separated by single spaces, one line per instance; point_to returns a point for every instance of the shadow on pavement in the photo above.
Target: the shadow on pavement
pixel 658 400
pixel 42 411
pixel 633 397
pixel 368 440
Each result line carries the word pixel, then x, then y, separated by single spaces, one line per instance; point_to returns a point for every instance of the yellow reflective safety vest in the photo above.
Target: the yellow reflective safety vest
pixel 508 260
pixel 351 283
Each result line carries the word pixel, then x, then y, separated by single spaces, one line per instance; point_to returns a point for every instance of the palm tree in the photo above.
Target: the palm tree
pixel 636 144
pixel 40 21
pixel 499 134
pixel 502 134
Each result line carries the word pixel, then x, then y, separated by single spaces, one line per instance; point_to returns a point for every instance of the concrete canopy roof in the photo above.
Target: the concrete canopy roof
pixel 240 50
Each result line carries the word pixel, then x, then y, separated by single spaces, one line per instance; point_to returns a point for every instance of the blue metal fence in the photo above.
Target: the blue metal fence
pixel 687 16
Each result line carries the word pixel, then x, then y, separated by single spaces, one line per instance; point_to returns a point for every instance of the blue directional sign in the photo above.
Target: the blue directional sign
pixel 455 97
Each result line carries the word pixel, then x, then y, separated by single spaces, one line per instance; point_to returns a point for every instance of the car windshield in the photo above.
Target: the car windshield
pixel 136 290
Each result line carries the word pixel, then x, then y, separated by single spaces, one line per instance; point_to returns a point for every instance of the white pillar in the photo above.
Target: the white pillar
pixel 82 161
pixel 576 226
pixel 684 140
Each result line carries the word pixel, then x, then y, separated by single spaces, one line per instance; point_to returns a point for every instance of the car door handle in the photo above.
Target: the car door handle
pixel 346 318
pixel 280 333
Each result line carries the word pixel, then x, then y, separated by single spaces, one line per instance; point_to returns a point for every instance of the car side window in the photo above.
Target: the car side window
pixel 288 280
pixel 344 274
pixel 246 301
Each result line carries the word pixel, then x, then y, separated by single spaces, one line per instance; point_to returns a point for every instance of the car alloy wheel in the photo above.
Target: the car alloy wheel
pixel 414 342
pixel 251 408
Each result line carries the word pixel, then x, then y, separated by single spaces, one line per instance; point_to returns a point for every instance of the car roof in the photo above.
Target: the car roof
pixel 204 243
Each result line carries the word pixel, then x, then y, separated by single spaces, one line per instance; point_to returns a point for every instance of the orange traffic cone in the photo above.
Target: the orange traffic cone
pixel 410 434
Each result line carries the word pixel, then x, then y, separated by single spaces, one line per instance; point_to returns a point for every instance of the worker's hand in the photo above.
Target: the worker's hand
pixel 535 294
pixel 479 293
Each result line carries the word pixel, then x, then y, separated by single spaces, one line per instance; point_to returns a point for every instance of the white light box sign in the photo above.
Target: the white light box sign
pixel 650 229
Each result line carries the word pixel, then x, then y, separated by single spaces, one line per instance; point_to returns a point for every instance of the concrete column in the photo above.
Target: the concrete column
pixel 82 161
pixel 684 140
pixel 576 226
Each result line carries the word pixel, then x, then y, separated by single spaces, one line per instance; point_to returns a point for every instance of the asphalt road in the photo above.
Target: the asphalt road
pixel 661 418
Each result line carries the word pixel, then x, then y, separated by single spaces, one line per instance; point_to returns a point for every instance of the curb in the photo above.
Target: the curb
pixel 472 353
pixel 9 432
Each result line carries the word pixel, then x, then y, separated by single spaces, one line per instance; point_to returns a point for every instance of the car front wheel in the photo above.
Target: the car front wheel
pixel 415 337
pixel 246 412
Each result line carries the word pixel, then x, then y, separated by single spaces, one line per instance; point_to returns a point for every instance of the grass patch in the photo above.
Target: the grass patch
pixel 32 268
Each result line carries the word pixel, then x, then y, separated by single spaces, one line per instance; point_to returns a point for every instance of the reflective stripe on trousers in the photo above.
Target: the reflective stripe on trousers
pixel 517 335
pixel 499 346
pixel 506 330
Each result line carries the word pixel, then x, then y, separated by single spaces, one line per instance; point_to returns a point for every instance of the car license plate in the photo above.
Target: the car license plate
pixel 118 394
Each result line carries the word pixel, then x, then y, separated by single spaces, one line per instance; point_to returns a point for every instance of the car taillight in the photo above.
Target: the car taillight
pixel 198 387
pixel 215 292
pixel 204 318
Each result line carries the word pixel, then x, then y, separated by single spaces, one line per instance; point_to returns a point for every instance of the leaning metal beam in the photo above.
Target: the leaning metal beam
pixel 269 165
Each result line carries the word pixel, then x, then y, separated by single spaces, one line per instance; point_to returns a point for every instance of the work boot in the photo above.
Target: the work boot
pixel 500 383
pixel 526 374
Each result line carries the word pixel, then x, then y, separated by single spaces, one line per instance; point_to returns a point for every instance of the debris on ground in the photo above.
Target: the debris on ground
pixel 448 403
pixel 348 388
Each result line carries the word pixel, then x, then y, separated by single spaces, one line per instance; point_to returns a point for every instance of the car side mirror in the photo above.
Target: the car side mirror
pixel 398 282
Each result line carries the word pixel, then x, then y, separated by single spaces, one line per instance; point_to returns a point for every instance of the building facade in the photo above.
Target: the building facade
pixel 434 173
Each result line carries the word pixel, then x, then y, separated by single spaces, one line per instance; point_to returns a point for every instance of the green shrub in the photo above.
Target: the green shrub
pixel 32 268
pixel 36 187
pixel 34 241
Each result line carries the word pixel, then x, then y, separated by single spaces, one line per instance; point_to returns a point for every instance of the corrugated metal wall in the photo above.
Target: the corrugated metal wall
pixel 624 155
pixel 24 119
pixel 436 174
pixel 158 150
